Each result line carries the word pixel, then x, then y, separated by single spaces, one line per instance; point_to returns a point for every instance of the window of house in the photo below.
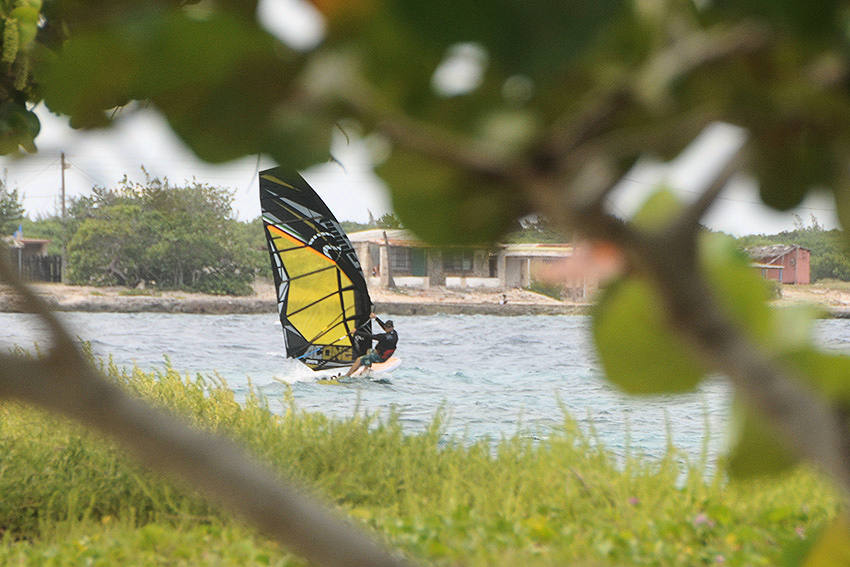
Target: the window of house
pixel 457 262
pixel 401 261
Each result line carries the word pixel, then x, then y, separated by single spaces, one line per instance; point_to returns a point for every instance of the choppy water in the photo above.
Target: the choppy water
pixel 492 376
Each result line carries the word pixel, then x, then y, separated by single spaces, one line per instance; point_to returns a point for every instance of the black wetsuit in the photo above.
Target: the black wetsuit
pixel 387 341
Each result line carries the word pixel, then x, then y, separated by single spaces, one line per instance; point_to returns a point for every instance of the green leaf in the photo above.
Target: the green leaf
pixel 537 39
pixel 447 206
pixel 94 72
pixel 658 210
pixel 18 128
pixel 804 18
pixel 831 547
pixel 827 372
pixel 738 287
pixel 757 449
pixel 638 350
pixel 219 82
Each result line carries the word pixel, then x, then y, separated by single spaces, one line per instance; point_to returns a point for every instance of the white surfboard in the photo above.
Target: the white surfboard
pixel 378 372
pixel 378 368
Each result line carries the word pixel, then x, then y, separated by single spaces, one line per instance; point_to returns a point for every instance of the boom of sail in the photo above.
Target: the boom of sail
pixel 321 292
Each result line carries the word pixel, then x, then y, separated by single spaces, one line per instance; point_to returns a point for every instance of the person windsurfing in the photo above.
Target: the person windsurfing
pixel 384 348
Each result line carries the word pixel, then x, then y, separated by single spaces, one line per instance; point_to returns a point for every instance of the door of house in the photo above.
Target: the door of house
pixel 417 262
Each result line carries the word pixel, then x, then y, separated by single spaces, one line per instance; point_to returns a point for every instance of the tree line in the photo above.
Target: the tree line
pixel 156 235
pixel 187 238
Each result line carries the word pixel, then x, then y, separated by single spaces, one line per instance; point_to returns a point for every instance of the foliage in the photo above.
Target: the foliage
pixel 50 228
pixel 11 210
pixel 561 98
pixel 553 290
pixel 537 229
pixel 389 220
pixel 552 498
pixel 169 237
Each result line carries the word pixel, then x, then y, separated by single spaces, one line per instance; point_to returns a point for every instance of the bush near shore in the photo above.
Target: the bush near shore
pixel 554 498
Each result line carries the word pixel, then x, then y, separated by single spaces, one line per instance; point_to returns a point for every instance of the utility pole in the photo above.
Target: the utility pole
pixel 64 167
pixel 64 228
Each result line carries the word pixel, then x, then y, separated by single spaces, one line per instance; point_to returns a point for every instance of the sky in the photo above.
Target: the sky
pixel 738 211
pixel 142 139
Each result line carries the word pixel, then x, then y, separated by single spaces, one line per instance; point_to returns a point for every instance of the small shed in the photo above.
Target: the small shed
pixel 29 256
pixel 785 263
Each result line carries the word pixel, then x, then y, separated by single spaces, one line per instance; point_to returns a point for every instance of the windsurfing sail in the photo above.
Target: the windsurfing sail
pixel 321 291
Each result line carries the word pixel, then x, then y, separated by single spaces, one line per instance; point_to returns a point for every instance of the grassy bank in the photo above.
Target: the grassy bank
pixel 70 498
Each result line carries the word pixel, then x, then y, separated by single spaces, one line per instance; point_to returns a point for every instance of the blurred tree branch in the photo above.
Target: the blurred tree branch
pixel 661 72
pixel 65 383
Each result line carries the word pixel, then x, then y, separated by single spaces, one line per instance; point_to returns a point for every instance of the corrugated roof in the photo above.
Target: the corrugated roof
pixel 396 237
pixel 401 237
pixel 772 252
pixel 542 250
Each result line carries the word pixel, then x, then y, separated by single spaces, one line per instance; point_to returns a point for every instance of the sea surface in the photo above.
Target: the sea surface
pixel 489 376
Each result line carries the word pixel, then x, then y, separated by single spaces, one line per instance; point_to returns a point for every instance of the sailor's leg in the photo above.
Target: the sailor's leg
pixel 353 368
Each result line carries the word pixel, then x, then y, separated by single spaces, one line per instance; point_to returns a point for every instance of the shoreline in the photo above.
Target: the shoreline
pixel 832 299
pixel 71 298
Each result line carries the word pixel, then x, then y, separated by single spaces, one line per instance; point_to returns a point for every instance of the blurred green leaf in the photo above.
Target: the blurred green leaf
pixel 658 210
pixel 827 372
pixel 638 350
pixel 831 548
pixel 219 81
pixel 804 18
pixel 757 450
pixel 95 72
pixel 738 287
pixel 534 38
pixel 18 128
pixel 447 206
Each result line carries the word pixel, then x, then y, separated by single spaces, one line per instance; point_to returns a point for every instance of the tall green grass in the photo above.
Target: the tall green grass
pixel 69 497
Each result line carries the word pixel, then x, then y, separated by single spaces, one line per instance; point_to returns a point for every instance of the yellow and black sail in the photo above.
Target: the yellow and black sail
pixel 321 292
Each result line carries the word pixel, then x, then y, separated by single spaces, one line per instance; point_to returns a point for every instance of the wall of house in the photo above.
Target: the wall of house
pixel 802 266
pixel 463 282
pixel 434 263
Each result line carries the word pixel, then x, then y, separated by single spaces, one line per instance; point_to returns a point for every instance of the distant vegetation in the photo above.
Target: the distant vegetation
pixel 11 210
pixel 167 237
pixel 829 260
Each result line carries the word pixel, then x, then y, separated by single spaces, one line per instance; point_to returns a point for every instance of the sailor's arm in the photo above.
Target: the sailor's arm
pixel 381 323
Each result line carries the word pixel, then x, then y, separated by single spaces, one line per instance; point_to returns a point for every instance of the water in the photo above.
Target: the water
pixel 492 377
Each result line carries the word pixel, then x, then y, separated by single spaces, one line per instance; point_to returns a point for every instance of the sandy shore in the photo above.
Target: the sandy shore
pixel 833 300
pixel 401 302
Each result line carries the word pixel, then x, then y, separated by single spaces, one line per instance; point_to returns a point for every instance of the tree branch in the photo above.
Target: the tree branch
pixel 803 419
pixel 65 383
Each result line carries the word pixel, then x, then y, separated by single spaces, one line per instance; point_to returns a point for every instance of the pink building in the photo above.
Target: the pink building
pixel 785 263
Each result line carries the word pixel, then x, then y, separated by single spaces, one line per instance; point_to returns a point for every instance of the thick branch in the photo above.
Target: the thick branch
pixel 65 383
pixel 806 421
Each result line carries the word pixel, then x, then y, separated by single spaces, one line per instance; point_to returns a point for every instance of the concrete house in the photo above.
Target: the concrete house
pixel 785 263
pixel 395 257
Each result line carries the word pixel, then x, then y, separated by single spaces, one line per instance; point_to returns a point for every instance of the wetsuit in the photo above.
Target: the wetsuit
pixel 387 342
pixel 385 348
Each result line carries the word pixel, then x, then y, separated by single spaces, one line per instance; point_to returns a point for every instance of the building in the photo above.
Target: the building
pixel 29 256
pixel 784 263
pixel 393 257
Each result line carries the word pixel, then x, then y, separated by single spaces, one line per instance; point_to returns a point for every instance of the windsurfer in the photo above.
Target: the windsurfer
pixel 384 349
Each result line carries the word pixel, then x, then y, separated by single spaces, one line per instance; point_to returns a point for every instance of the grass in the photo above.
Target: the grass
pixel 68 497
pixel 139 292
